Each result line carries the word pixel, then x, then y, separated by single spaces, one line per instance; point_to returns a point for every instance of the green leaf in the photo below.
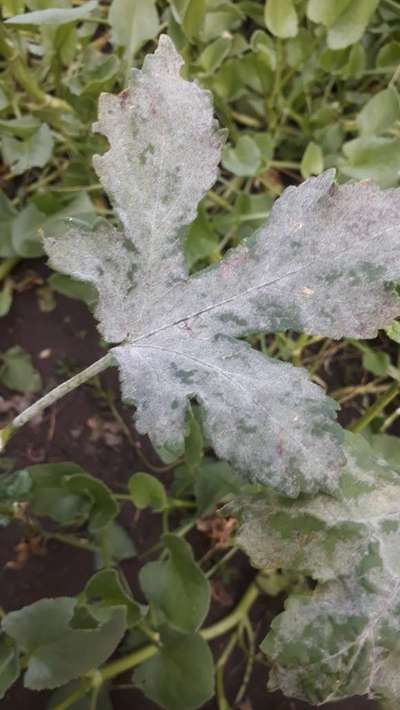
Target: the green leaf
pixel 244 159
pixel 9 664
pixel 6 298
pixel 105 589
pixel 281 18
pixel 17 371
pixel 120 544
pixel 214 481
pixel 201 240
pixel 393 331
pixel 194 442
pixel 190 15
pixel 54 16
pixel 351 23
pixel 104 508
pixel 177 586
pixel 326 11
pixel 379 113
pixel 33 152
pixel 147 491
pixel 31 221
pixel 374 158
pixel 57 650
pixel 180 676
pixel 133 23
pixel 214 54
pixel 388 55
pixel 73 289
pixel 312 162
pixel 7 215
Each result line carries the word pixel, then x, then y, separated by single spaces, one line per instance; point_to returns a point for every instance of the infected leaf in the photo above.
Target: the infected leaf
pixel 322 264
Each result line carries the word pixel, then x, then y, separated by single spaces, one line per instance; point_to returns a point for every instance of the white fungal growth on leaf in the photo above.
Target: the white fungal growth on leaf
pixel 322 264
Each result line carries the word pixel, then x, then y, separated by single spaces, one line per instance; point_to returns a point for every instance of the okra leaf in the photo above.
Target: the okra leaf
pixel 341 639
pixel 322 264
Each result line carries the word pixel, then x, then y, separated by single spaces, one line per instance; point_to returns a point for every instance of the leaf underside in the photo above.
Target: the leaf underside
pixel 322 264
pixel 341 639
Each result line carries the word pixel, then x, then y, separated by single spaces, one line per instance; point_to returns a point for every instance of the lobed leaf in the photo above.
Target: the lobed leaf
pixel 323 263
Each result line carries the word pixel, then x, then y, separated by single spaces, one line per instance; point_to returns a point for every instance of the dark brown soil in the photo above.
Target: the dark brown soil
pixel 61 340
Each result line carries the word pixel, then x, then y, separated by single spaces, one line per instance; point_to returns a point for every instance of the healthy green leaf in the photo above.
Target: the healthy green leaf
pixel 54 16
pixel 147 491
pixel 322 264
pixel 373 158
pixel 326 11
pixel 281 18
pixel 17 371
pixel 104 507
pixel 33 152
pixel 9 664
pixel 7 215
pixel 312 162
pixel 57 650
pixel 351 23
pixel 180 676
pixel 133 22
pixel 105 589
pixel 379 113
pixel 177 586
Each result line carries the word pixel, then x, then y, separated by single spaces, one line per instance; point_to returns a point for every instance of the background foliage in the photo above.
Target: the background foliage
pixel 300 87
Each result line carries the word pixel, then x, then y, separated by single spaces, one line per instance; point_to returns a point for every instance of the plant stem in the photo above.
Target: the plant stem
pixel 7 265
pixel 126 663
pixel 55 394
pixel 375 409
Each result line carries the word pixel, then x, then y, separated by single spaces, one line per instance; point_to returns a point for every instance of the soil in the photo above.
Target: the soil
pixel 79 428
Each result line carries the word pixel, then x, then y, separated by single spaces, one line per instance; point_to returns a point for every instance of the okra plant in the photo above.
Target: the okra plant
pixel 311 500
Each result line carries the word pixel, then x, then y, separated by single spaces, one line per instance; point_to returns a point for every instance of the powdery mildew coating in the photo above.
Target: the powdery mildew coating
pixel 341 639
pixel 321 264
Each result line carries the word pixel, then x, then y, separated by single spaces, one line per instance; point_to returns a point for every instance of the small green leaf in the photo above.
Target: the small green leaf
pixel 6 298
pixel 7 216
pixel 312 162
pixel 105 589
pixel 9 664
pixel 120 544
pixel 326 11
pixel 281 18
pixel 72 288
pixel 214 54
pixel 147 491
pixel 351 23
pixel 379 113
pixel 194 442
pixel 177 586
pixel 393 331
pixel 180 676
pixel 376 362
pixel 133 23
pixel 190 15
pixel 57 650
pixel 214 480
pixel 54 16
pixel 244 159
pixel 388 55
pixel 17 371
pixel 376 158
pixel 104 507
pixel 33 152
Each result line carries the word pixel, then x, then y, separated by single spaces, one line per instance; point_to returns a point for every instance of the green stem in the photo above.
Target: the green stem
pixel 71 540
pixel 375 409
pixel 55 394
pixel 7 265
pixel 126 663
